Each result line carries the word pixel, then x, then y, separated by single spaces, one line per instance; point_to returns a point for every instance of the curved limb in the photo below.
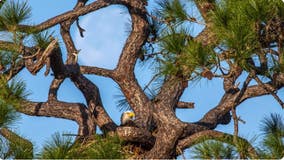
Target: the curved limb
pixel 124 73
pixel 72 111
pixel 215 135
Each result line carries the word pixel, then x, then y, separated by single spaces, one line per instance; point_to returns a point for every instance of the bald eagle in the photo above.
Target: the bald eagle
pixel 127 118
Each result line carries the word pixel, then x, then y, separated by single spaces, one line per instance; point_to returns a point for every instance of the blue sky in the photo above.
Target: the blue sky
pixel 106 31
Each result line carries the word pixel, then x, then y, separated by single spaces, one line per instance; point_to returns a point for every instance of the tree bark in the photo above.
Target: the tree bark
pixel 157 127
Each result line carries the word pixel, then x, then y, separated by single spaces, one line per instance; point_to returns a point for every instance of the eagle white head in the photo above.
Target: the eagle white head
pixel 126 117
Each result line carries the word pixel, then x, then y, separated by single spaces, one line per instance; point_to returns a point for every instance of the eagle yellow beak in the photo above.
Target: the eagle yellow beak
pixel 131 114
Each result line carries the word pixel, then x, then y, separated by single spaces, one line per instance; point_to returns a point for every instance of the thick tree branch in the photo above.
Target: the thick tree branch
pixel 185 105
pixel 89 90
pixel 166 135
pixel 95 107
pixel 206 37
pixel 169 126
pixel 220 115
pixel 172 90
pixel 136 135
pixel 230 80
pixel 72 111
pixel 68 41
pixel 96 70
pixel 124 73
pixel 13 70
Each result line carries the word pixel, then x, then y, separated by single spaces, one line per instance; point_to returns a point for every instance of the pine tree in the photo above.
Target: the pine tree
pixel 240 40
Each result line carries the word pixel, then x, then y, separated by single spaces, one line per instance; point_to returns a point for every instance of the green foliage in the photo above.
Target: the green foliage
pixel 273 125
pixel 1 3
pixel 172 11
pixel 5 60
pixel 11 96
pixel 14 146
pixel 271 147
pixel 9 59
pixel 178 53
pixel 243 26
pixel 106 148
pixel 12 93
pixel 109 147
pixel 59 147
pixel 273 142
pixel 235 28
pixel 12 14
pixel 42 39
pixel 214 150
pixel 97 147
pixel 19 148
pixel 3 147
pixel 243 148
pixel 8 115
pixel 183 55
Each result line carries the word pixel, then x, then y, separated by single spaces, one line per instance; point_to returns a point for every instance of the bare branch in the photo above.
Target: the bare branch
pixel 271 90
pixel 71 15
pixel 81 30
pixel 96 70
pixel 185 105
pixel 55 84
pixel 236 123
pixel 35 67
pixel 257 90
pixel 236 102
pixel 72 111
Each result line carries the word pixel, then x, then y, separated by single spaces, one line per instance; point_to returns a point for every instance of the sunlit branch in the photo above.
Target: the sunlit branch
pixel 96 71
pixel 34 67
pixel 185 105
